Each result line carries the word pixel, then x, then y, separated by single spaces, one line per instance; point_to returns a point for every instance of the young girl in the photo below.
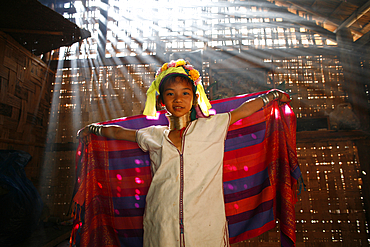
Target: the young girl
pixel 186 159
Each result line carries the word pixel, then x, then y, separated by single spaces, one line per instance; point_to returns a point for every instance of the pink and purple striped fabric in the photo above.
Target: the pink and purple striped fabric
pixel 260 174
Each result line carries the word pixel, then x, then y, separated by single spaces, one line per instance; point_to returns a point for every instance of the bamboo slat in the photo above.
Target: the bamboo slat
pixel 24 103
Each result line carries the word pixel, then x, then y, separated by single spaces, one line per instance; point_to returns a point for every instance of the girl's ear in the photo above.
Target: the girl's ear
pixel 195 101
pixel 159 101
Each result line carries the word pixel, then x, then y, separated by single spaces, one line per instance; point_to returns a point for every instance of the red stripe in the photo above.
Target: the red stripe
pixel 128 222
pixel 255 149
pixel 249 203
pixel 233 172
pixel 253 233
pixel 256 118
pixel 100 143
pixel 237 166
pixel 241 172
pixel 120 145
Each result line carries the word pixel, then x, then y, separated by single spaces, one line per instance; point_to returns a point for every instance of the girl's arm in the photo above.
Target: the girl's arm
pixel 251 106
pixel 109 131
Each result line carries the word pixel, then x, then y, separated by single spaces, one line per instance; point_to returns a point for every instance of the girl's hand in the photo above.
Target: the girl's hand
pixel 276 94
pixel 83 132
pixel 284 97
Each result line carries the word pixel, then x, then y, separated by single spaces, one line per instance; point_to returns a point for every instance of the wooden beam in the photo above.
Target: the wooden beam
pixel 352 73
pixel 355 16
pixel 325 19
pixel 366 28
pixel 317 29
pixel 313 13
pixel 364 40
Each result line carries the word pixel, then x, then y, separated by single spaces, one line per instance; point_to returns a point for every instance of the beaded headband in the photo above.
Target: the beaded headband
pixel 176 68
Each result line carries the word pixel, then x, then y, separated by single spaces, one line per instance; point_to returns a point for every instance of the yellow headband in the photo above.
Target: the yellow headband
pixel 173 68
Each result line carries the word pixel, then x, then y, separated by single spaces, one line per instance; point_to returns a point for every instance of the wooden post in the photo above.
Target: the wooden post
pixel 353 85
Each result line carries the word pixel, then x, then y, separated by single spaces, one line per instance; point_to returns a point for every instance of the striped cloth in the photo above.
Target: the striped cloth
pixel 260 174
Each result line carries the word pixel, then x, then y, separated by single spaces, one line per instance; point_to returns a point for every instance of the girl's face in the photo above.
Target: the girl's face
pixel 178 96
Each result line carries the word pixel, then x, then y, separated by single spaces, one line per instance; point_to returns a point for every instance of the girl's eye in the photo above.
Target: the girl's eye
pixel 169 94
pixel 186 93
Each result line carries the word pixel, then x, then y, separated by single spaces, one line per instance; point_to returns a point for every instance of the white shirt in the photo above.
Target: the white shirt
pixel 186 185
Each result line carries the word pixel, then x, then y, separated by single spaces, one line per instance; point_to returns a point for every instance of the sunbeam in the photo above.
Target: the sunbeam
pixel 239 47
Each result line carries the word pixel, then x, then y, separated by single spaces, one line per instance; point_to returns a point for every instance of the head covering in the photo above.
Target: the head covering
pixel 176 68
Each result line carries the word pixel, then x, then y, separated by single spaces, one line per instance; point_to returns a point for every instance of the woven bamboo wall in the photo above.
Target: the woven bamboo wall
pixel 330 212
pixel 315 83
pixel 25 85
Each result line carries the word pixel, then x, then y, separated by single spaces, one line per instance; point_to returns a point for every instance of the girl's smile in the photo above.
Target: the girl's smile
pixel 178 97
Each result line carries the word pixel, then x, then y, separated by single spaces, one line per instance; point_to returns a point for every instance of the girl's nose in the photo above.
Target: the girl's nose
pixel 178 98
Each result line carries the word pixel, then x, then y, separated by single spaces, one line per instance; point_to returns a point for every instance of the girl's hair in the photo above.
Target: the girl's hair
pixel 171 80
